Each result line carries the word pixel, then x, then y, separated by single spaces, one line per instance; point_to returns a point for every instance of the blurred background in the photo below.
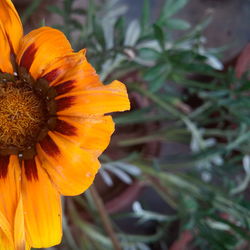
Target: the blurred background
pixel 176 174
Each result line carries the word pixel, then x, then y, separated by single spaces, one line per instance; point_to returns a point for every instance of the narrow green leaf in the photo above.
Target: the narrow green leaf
pixel 67 4
pixel 154 72
pixel 119 33
pixel 145 17
pixel 149 54
pixel 56 10
pixel 98 32
pixel 159 34
pixel 177 24
pixel 79 11
pixel 157 83
pixel 132 34
pixel 170 8
pixel 90 15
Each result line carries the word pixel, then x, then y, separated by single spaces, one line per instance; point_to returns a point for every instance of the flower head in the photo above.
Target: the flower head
pixel 53 127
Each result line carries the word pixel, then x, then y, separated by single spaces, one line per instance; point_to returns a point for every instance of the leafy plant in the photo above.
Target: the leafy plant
pixel 192 102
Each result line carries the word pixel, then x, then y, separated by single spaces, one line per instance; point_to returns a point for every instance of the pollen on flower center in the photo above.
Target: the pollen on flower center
pixel 22 116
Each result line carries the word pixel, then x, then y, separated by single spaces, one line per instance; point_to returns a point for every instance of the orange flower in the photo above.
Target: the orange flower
pixel 53 127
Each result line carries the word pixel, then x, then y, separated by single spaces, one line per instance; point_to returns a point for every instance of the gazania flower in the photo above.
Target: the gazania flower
pixel 53 127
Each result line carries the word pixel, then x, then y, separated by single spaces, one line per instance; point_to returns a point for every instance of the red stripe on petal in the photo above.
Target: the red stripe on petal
pixel 30 169
pixel 49 146
pixel 4 162
pixel 64 87
pixel 28 56
pixel 65 128
pixel 65 103
pixel 52 75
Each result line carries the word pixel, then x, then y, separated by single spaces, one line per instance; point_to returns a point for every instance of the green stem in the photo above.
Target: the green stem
pixel 243 138
pixel 105 218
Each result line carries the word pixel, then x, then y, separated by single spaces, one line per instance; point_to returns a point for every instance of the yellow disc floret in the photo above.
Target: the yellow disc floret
pixel 21 115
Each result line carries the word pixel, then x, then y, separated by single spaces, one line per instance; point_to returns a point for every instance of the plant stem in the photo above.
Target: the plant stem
pixel 105 218
pixel 164 105
pixel 162 189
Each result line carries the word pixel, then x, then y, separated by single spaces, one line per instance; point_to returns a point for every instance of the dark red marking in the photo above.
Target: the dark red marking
pixel 52 75
pixel 10 43
pixel 28 56
pixel 65 103
pixel 49 146
pixel 64 87
pixel 4 163
pixel 65 128
pixel 30 169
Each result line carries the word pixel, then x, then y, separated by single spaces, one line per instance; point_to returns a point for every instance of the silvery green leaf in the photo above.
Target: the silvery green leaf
pixel 106 177
pixel 144 62
pixel 136 206
pixel 123 176
pixel 206 176
pixel 197 140
pixel 142 246
pixel 177 24
pixel 129 168
pixel 150 45
pixel 132 34
pixel 148 215
pixel 217 160
pixel 210 142
pixel 194 145
pixel 111 3
pixel 243 184
pixel 186 45
pixel 149 54
pixel 106 66
pixel 108 35
pixel 115 13
pixel 246 163
pixel 110 65
pixel 218 225
pixel 171 7
pixel 111 11
pixel 159 81
pixel 214 62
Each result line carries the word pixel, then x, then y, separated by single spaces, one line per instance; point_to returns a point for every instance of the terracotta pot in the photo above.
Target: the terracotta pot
pixel 182 243
pixel 243 62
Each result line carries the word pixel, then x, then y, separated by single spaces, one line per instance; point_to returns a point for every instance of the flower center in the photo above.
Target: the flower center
pixel 27 113
pixel 22 116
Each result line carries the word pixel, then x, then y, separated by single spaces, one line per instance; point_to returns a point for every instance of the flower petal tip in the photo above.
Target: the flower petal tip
pixel 121 89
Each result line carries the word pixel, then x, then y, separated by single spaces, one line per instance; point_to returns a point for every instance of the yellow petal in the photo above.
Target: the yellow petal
pixel 41 47
pixel 6 238
pixel 95 101
pixel 5 64
pixel 71 168
pixel 90 133
pixel 56 70
pixel 19 229
pixel 11 24
pixel 10 183
pixel 42 207
pixel 72 73
pixel 9 199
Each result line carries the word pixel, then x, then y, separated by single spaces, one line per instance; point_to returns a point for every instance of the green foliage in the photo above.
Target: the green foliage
pixel 29 11
pixel 192 102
